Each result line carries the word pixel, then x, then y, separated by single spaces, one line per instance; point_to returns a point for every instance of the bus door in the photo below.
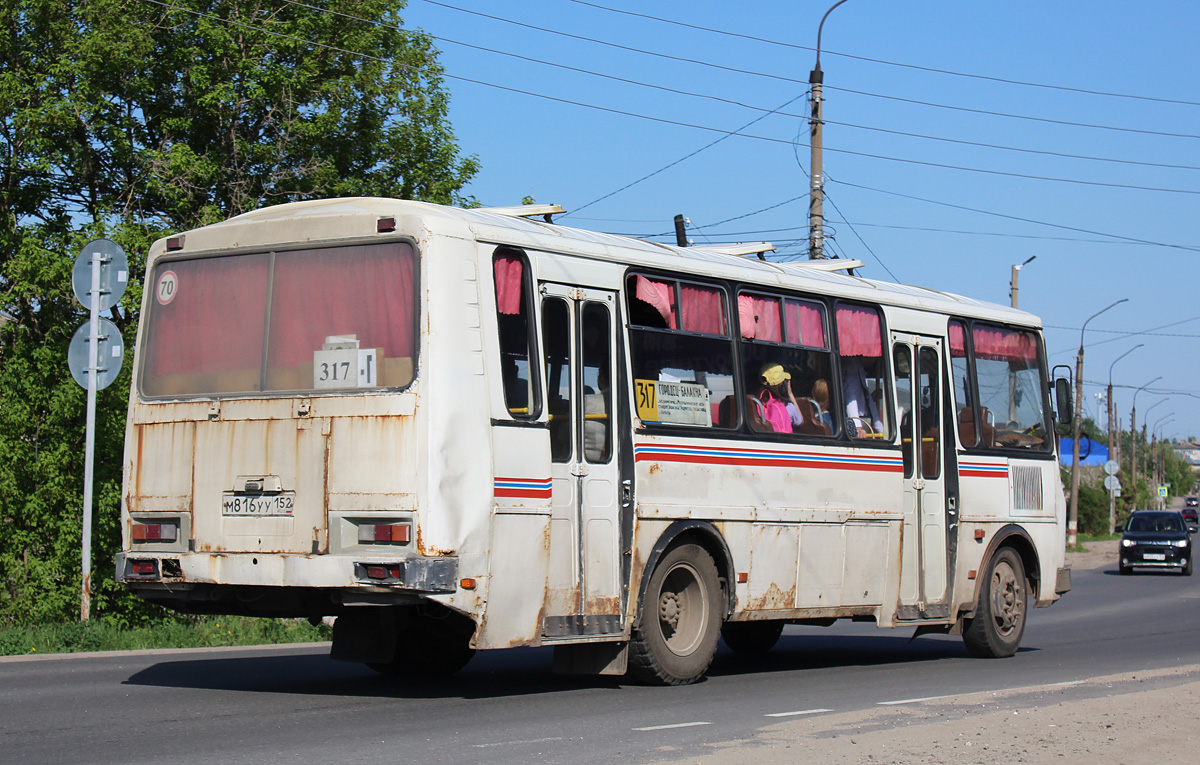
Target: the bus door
pixel 579 342
pixel 929 513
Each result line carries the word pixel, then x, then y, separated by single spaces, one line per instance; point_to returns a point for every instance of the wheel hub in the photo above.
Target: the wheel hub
pixel 668 610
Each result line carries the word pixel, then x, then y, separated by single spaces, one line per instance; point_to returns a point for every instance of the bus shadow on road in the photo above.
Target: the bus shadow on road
pixel 798 652
pixel 521 671
pixel 513 672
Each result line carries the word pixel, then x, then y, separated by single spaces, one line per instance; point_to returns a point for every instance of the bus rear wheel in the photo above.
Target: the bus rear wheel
pixel 751 638
pixel 999 622
pixel 675 635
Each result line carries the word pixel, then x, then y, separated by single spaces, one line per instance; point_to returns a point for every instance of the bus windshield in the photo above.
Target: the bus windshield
pixel 339 318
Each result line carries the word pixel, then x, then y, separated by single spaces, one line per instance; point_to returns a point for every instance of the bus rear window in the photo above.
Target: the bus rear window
pixel 339 318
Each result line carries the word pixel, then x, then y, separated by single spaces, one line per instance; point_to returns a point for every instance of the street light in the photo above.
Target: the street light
pixel 1073 518
pixel 816 213
pixel 1114 455
pixel 1133 435
pixel 1012 285
pixel 1156 453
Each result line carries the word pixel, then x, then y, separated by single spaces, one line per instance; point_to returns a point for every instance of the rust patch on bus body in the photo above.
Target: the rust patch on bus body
pixel 774 599
pixel 429 552
pixel 604 605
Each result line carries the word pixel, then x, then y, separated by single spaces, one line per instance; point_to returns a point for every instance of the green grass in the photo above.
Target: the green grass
pixel 190 632
pixel 1084 538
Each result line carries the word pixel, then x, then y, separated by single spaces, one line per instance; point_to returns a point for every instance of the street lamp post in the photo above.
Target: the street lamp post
pixel 1133 436
pixel 1156 456
pixel 1073 517
pixel 1114 442
pixel 1012 285
pixel 816 212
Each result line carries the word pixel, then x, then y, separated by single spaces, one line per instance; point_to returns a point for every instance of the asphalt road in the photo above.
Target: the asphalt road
pixel 294 704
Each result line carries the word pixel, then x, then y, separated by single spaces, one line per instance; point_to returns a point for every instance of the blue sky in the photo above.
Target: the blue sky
pixel 961 138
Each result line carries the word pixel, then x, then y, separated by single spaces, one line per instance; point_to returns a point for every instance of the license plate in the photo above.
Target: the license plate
pixel 1155 556
pixel 258 505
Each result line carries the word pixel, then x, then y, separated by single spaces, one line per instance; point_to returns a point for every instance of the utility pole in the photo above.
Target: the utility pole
pixel 816 198
pixel 1114 455
pixel 681 231
pixel 1012 285
pixel 1133 437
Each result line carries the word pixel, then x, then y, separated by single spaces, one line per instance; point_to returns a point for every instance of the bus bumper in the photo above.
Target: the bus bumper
pixel 416 573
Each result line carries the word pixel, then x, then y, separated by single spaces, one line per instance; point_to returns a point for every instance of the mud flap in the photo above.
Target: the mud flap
pixel 591 659
pixel 367 635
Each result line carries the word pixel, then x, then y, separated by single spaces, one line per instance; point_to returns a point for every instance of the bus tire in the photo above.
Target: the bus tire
pixel 751 638
pixel 675 634
pixel 424 654
pixel 999 623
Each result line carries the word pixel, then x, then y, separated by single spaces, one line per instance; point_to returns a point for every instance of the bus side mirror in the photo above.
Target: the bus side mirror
pixel 1063 410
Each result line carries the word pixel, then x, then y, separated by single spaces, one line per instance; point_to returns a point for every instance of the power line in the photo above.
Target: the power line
pixel 868 59
pixel 1014 148
pixel 1119 237
pixel 732 102
pixel 782 78
pixel 679 123
pixel 989 113
pixel 685 157
pixel 739 131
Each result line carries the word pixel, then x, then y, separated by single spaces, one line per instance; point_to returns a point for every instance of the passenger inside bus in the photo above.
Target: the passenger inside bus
pixel 862 410
pixel 776 409
pixel 595 424
pixel 820 399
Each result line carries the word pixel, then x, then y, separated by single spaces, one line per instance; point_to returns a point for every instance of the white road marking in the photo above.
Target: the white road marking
pixel 976 693
pixel 518 743
pixel 676 725
pixel 796 714
pixel 922 698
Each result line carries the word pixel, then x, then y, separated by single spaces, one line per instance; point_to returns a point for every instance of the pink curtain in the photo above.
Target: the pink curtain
pixel 365 291
pixel 215 321
pixel 759 317
pixel 858 332
pixel 703 310
pixel 660 295
pixel 804 325
pixel 958 344
pixel 999 344
pixel 508 269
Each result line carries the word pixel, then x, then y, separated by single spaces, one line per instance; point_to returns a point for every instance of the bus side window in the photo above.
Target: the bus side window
pixel 681 353
pixel 785 363
pixel 860 350
pixel 515 336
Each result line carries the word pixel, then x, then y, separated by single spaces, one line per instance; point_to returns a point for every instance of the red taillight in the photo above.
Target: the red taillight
pixel 383 571
pixel 154 532
pixel 143 567
pixel 386 533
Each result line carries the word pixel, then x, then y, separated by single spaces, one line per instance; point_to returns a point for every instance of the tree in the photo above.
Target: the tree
pixel 131 120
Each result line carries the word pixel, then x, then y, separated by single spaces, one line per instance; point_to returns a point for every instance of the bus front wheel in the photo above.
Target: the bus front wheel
pixel 999 621
pixel 675 635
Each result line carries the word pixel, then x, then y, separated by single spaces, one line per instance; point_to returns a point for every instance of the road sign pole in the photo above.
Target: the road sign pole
pixel 98 278
pixel 85 607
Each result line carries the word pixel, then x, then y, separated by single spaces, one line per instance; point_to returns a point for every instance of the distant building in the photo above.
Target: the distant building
pixel 1189 453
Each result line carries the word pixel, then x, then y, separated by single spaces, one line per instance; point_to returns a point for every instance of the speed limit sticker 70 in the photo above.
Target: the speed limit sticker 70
pixel 168 282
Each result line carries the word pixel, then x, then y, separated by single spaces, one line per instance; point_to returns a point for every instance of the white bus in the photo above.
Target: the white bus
pixel 474 429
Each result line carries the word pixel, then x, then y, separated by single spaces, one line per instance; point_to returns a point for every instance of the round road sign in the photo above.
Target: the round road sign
pixel 114 273
pixel 110 353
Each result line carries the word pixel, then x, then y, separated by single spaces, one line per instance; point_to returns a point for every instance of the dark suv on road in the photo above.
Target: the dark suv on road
pixel 1156 539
